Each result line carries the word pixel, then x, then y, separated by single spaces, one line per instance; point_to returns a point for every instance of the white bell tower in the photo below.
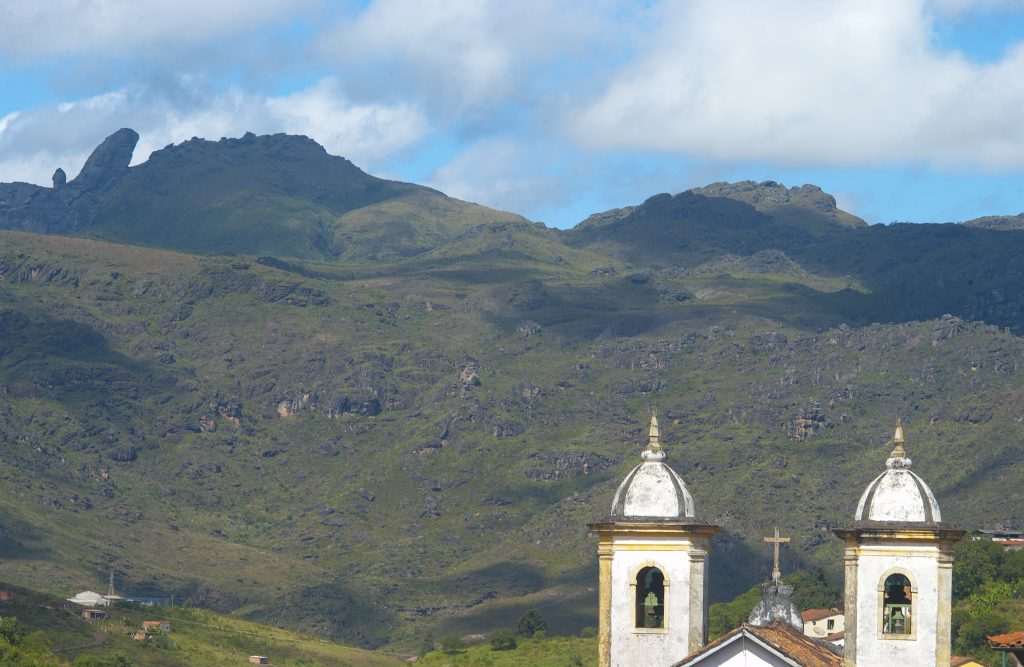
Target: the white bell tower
pixel 652 556
pixel 899 567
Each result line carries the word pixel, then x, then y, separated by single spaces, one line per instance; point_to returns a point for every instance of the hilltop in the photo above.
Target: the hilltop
pixel 374 449
pixel 256 195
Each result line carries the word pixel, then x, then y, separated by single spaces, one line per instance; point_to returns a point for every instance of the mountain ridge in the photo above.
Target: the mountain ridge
pixel 374 449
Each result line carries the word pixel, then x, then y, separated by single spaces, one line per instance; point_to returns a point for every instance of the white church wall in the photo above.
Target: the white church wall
pixel 920 565
pixel 652 646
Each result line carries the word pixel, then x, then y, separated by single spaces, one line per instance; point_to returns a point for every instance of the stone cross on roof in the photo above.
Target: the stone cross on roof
pixel 776 541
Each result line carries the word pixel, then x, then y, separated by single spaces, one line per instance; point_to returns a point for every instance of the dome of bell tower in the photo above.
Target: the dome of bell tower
pixel 653 490
pixel 898 494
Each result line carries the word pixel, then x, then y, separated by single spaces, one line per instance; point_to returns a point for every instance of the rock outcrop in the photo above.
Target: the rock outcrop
pixel 68 205
pixel 109 162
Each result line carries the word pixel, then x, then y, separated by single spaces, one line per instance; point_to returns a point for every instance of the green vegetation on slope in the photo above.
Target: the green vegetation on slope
pixel 412 439
pixel 55 634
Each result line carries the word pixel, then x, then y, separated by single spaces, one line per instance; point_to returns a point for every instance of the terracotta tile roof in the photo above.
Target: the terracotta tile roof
pixel 780 637
pixel 1008 640
pixel 811 615
pixel 835 636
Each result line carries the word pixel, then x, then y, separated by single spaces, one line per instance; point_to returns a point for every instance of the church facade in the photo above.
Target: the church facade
pixel 654 556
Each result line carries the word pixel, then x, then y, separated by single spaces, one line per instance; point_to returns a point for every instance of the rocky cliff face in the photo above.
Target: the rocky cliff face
pixel 68 206
pixel 998 222
pixel 109 162
pixel 772 198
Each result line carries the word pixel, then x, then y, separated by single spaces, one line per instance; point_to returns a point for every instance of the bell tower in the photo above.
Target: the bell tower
pixel 653 563
pixel 899 571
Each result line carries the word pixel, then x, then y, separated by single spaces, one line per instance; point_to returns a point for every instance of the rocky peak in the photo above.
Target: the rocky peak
pixel 59 179
pixel 770 197
pixel 109 161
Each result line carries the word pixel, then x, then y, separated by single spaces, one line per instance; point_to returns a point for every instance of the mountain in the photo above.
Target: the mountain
pixel 371 450
pixel 998 222
pixel 806 205
pixel 277 195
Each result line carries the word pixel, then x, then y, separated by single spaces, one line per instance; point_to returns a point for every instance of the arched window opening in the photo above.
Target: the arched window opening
pixel 650 598
pixel 896 605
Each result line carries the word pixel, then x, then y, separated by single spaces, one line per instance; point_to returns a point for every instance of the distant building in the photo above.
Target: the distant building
pixel 1011 540
pixel 90 599
pixel 6 596
pixel 94 614
pixel 259 660
pixel 821 623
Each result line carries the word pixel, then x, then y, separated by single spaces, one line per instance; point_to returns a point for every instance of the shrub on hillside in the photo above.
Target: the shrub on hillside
pixel 452 645
pixel 531 623
pixel 503 640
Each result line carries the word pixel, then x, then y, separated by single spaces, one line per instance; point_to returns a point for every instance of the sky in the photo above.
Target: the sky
pixel 904 110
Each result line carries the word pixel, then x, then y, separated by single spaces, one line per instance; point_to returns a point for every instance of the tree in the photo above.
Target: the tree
pixel 11 631
pixel 531 623
pixel 428 643
pixel 971 630
pixel 503 640
pixel 813 590
pixel 974 563
pixel 452 645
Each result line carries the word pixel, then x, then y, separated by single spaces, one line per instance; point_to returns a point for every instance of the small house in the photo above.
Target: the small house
pixel 259 660
pixel 152 626
pixel 90 599
pixel 6 596
pixel 821 623
pixel 94 614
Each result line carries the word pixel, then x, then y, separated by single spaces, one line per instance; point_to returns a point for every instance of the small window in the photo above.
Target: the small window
pixel 831 624
pixel 896 606
pixel 650 598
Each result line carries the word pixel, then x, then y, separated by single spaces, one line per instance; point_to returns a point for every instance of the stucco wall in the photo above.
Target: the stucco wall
pixel 681 561
pixel 921 565
pixel 819 628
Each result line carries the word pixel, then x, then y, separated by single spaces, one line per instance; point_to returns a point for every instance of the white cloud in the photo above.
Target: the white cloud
pixel 799 82
pixel 462 53
pixel 359 131
pixel 31 29
pixel 35 142
pixel 503 173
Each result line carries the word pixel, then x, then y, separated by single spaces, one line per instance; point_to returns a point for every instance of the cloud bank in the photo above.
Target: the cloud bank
pixel 805 83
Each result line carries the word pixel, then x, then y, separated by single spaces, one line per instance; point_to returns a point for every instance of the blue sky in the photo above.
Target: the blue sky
pixel 907 110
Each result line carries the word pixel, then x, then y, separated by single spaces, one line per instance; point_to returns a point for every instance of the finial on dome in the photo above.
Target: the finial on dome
pixel 898 457
pixel 654 452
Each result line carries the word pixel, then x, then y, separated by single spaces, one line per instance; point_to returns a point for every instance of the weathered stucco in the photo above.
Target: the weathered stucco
pixel 653 490
pixel 925 558
pixel 898 495
pixel 682 560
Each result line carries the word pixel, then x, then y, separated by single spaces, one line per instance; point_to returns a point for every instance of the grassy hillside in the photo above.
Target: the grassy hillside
pixel 197 638
pixel 375 453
